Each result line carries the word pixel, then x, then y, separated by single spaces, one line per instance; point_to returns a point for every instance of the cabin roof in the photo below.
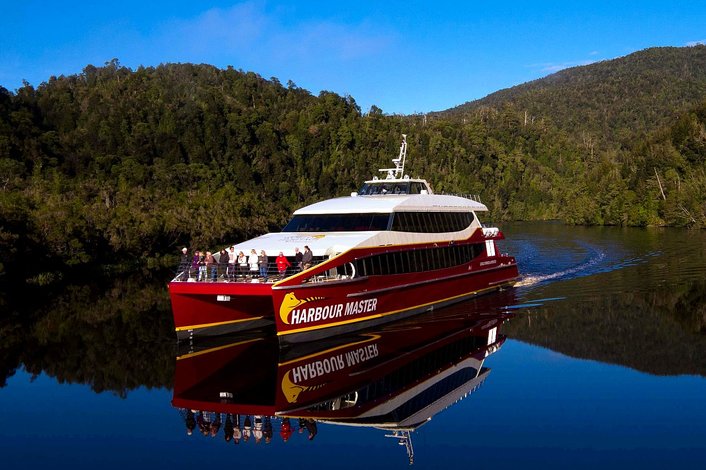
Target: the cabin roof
pixel 385 204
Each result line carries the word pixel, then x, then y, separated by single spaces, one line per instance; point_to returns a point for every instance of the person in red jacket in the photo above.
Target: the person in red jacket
pixel 286 429
pixel 282 264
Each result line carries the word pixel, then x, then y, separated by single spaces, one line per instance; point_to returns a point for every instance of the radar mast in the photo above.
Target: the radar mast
pixel 398 171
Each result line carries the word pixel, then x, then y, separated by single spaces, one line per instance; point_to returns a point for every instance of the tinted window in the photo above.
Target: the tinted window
pixel 382 187
pixel 410 261
pixel 431 222
pixel 337 223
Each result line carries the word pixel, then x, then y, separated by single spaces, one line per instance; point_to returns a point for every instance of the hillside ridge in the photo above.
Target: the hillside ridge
pixel 640 92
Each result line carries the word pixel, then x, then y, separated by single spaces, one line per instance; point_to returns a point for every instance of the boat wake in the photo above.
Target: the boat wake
pixel 598 262
pixel 532 279
pixel 531 304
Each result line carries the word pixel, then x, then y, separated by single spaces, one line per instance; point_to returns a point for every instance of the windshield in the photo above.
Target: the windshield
pixel 386 187
pixel 338 223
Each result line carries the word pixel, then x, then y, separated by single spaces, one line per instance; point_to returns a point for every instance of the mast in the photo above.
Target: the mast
pixel 404 438
pixel 398 171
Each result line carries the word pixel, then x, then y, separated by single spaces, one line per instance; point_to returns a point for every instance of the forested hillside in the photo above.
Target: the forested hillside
pixel 610 102
pixel 124 166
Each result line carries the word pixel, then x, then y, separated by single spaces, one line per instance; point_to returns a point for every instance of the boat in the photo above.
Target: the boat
pixel 395 377
pixel 390 250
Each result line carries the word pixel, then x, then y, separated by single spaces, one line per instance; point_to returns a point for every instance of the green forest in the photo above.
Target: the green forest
pixel 121 167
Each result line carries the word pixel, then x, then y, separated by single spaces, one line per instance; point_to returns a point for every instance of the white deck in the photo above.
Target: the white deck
pixel 321 244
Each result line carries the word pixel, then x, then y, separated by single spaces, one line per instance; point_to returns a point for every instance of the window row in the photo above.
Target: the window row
pixel 419 222
pixel 383 187
pixel 431 222
pixel 429 259
pixel 338 223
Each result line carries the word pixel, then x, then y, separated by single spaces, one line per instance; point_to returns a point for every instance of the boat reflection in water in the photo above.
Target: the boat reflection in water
pixel 394 378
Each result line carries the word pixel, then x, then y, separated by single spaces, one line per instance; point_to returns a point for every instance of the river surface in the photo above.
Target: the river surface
pixel 597 357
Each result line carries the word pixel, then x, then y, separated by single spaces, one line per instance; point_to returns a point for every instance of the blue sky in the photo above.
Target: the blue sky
pixel 402 56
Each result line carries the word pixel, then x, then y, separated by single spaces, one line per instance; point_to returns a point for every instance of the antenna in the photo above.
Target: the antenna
pixel 398 171
pixel 404 438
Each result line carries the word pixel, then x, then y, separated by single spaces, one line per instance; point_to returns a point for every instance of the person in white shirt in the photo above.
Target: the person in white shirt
pixel 253 262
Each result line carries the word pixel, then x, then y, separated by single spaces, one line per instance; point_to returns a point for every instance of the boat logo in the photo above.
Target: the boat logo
pixel 319 370
pixel 292 313
pixel 292 391
pixel 291 302
pixel 302 238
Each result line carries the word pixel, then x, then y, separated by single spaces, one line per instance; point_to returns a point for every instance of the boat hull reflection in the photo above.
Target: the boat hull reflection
pixel 395 377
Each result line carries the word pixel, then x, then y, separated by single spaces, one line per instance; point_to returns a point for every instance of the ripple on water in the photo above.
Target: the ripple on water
pixel 545 259
pixel 590 262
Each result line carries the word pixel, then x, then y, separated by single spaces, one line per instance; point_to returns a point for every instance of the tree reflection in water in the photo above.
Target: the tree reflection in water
pixel 660 332
pixel 114 335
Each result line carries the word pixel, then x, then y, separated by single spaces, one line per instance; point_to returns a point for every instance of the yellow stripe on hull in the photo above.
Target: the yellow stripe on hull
pixel 208 325
pixel 207 351
pixel 381 315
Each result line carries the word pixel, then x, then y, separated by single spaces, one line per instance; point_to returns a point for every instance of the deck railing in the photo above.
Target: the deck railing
pixel 237 273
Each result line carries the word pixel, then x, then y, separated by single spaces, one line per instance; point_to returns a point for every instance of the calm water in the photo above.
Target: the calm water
pixel 597 358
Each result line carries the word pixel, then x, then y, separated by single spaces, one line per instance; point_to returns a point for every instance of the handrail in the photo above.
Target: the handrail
pixel 223 273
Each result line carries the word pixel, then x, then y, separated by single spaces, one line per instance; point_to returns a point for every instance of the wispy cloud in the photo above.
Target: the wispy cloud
pixel 551 67
pixel 249 30
pixel 344 42
pixel 215 31
pixel 700 42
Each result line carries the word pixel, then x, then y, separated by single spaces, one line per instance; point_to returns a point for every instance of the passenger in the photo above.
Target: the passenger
pixel 232 263
pixel 242 264
pixel 264 265
pixel 282 265
pixel 257 429
pixel 307 257
pixel 267 430
pixel 194 264
pixel 211 266
pixel 311 427
pixel 237 433
pixel 247 428
pixel 228 428
pixel 253 261
pixel 202 268
pixel 216 425
pixel 204 422
pixel 190 422
pixel 298 259
pixel 183 269
pixel 223 264
pixel 286 430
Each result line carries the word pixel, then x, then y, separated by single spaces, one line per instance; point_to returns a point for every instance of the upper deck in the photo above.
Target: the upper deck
pixel 389 203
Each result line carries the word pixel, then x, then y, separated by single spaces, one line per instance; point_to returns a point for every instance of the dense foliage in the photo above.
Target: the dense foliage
pixel 610 102
pixel 120 166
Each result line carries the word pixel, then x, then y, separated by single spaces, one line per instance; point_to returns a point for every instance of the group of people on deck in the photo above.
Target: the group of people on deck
pixel 231 266
pixel 237 427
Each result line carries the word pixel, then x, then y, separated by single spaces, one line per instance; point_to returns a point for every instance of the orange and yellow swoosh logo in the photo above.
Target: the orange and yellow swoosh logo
pixel 290 302
pixel 292 391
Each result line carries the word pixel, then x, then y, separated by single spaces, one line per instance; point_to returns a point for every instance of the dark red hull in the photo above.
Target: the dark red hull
pixel 324 308
pixel 304 308
pixel 215 308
